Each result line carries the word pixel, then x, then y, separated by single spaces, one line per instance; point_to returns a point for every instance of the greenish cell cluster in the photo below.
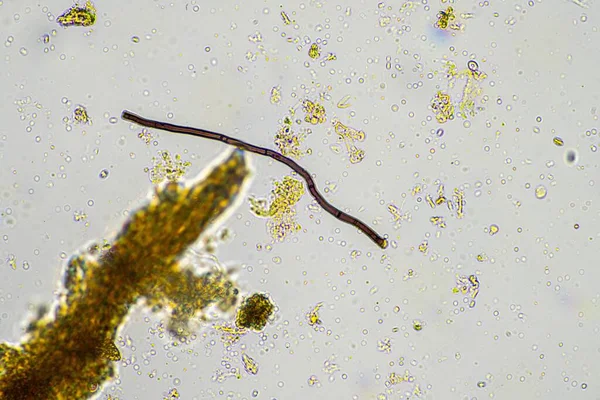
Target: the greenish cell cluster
pixel 254 312
pixel 78 15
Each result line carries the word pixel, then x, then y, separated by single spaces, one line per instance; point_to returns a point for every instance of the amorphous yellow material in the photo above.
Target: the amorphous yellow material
pixel 281 211
pixel 78 16
pixel 66 353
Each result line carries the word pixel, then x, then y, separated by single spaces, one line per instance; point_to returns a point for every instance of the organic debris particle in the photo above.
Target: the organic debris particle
pixel 558 141
pixel 482 257
pixel 438 221
pixel 313 381
pixel 313 316
pixel 275 94
pixel 343 103
pixel 494 229
pixel 167 168
pixel 394 378
pixel 96 248
pixel 78 15
pixel 581 3
pixel 254 312
pixel 417 325
pixel 467 285
pixel 315 112
pixel 442 107
pixel 441 199
pixel 315 51
pixel 459 200
pixel 146 136
pixel 416 189
pixel 446 20
pixel 79 216
pixel 445 17
pixel 289 142
pixel 330 57
pixel 409 274
pixel 173 394
pixel 72 347
pixel 220 376
pixel 348 136
pixel 285 18
pixel 471 91
pixel 385 345
pixel 256 38
pixel 12 261
pixel 250 365
pixel 398 215
pixel 429 200
pixel 423 247
pixel 469 82
pixel 281 212
pixel 80 115
pixel 231 334
pixel 329 366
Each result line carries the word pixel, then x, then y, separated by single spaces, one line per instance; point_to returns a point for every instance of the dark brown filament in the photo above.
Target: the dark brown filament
pixel 312 188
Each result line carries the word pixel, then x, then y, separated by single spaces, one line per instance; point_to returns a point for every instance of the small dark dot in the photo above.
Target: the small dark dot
pixel 571 157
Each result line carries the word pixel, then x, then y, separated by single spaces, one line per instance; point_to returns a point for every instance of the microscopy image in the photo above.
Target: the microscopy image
pixel 310 199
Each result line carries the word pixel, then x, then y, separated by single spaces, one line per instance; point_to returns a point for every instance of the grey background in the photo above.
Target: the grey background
pixel 534 331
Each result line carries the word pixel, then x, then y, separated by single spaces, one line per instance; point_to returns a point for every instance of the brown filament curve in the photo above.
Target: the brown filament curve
pixel 310 183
